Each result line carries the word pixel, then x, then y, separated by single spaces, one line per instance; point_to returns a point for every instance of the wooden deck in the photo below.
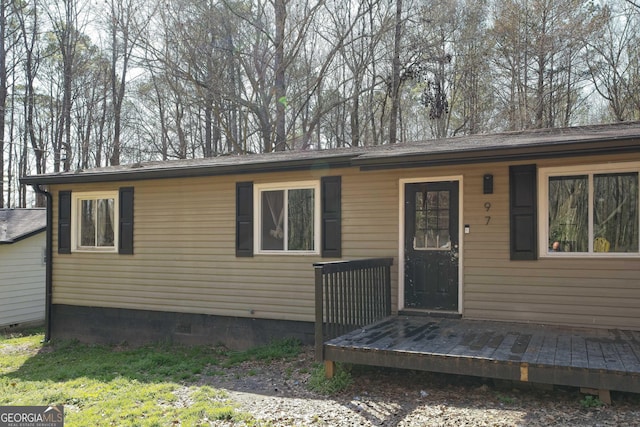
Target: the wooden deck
pixel 597 359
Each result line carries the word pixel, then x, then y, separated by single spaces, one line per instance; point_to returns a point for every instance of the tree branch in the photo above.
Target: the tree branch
pixel 633 3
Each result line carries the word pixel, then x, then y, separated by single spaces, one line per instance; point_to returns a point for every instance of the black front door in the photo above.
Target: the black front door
pixel 431 246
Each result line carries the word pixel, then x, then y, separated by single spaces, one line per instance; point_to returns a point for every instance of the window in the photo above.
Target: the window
pixel 94 216
pixel 327 221
pixel 591 211
pixel 432 220
pixel 288 218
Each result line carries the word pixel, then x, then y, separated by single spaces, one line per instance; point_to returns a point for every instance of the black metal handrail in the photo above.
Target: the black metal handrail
pixel 350 295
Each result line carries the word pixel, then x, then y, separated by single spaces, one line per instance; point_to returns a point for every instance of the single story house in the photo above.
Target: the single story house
pixel 538 226
pixel 22 266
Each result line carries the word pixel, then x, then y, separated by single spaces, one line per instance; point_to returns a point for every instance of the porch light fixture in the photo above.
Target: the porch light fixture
pixel 487 184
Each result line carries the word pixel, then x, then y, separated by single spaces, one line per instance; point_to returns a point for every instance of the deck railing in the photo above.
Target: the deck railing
pixel 350 295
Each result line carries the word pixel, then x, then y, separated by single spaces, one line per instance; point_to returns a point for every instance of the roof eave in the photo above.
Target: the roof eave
pixel 376 161
pixel 16 239
pixel 501 154
pixel 136 174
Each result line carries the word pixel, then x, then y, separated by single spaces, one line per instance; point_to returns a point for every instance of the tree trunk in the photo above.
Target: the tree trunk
pixel 208 137
pixel 3 95
pixel 280 89
pixel 395 78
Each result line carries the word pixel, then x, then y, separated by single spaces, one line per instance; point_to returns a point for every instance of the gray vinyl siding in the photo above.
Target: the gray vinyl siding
pixel 22 281
pixel 184 254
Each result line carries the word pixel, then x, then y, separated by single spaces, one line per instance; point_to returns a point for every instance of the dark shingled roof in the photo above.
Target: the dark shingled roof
pixel 536 138
pixel 532 144
pixel 18 224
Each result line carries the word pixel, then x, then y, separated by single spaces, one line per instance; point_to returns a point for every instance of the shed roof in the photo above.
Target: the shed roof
pixel 531 144
pixel 18 224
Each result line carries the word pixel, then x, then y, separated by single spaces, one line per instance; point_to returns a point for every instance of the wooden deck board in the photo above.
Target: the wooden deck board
pixel 521 344
pixel 636 336
pixel 382 338
pixel 594 354
pixel 547 353
pixel 462 347
pixel 611 357
pixel 414 337
pixel 530 355
pixel 627 356
pixel 492 345
pixel 504 351
pixel 378 335
pixel 593 358
pixel 579 357
pixel 563 351
pixel 441 340
pixel 633 342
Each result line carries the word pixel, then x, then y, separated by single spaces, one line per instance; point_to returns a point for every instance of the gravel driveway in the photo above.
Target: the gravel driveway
pixel 278 394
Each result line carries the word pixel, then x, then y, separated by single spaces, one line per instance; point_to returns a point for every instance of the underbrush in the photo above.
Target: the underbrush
pixel 340 381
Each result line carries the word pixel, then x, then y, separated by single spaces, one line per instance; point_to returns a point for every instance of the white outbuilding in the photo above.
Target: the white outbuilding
pixel 22 266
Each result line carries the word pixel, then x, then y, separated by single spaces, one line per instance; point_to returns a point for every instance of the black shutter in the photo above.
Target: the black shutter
pixel 331 208
pixel 64 222
pixel 244 219
pixel 125 239
pixel 523 212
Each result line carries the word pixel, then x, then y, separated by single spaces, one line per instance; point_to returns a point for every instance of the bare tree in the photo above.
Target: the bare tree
pixel 216 77
pixel 471 97
pixel 5 46
pixel 633 3
pixel 3 90
pixel 613 61
pixel 197 61
pixel 328 78
pixel 92 94
pixel 395 75
pixel 127 22
pixel 28 21
pixel 65 17
pixel 432 49
pixel 279 75
pixel 540 71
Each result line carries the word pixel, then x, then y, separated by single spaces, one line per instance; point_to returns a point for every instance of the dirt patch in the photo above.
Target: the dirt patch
pixel 278 393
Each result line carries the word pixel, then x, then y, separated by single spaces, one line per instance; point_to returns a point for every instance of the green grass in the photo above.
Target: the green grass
pixel 505 399
pixel 278 349
pixel 121 386
pixel 340 382
pixel 591 402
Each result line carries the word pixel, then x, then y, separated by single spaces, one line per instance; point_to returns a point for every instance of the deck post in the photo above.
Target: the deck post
pixel 603 394
pixel 319 329
pixel 329 369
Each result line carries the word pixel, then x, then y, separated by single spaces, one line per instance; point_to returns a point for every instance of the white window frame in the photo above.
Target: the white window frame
pixel 76 206
pixel 257 215
pixel 543 206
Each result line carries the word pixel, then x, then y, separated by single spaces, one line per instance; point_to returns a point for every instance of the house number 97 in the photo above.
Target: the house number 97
pixel 487 207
